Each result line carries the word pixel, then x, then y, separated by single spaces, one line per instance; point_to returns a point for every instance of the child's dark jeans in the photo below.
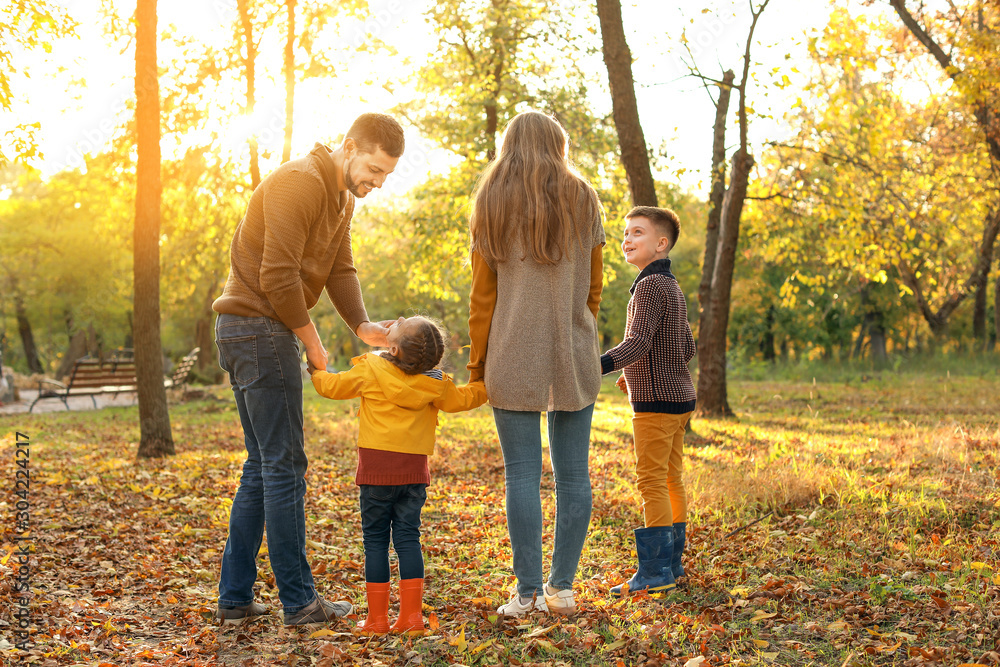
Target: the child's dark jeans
pixel 392 511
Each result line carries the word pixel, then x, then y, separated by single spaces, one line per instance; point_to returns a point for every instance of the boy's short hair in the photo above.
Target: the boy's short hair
pixel 371 131
pixel 664 220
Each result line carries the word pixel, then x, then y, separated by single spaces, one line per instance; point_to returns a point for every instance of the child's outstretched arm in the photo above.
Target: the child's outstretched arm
pixel 339 385
pixel 650 304
pixel 460 399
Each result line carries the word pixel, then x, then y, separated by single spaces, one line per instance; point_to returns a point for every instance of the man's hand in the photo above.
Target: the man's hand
pixel 316 354
pixel 374 334
pixel 317 357
pixel 621 384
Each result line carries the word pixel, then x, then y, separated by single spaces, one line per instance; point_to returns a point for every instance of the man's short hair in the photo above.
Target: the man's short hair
pixel 372 131
pixel 664 220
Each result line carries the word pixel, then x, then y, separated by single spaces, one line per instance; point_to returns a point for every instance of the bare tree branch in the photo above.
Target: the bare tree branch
pixel 918 31
pixel 746 74
pixel 773 195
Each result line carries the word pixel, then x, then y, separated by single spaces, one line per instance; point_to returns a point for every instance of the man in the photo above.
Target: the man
pixel 293 242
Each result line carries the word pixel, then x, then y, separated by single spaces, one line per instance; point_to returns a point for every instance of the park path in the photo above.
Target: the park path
pixel 75 402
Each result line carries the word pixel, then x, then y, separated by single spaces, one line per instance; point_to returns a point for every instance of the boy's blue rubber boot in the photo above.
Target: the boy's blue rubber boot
pixel 654 548
pixel 680 529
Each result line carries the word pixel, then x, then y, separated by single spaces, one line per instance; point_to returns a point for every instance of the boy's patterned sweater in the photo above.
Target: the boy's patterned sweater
pixel 658 344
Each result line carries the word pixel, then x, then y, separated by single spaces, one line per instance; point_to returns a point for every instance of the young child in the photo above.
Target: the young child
pixel 653 356
pixel 401 392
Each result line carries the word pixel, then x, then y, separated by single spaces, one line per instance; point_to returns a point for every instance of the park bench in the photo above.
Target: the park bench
pixel 95 377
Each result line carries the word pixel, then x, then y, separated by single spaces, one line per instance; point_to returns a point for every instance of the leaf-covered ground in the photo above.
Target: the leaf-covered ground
pixel 882 547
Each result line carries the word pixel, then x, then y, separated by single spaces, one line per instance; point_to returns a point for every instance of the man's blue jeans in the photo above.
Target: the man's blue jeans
pixel 569 449
pixel 262 358
pixel 392 512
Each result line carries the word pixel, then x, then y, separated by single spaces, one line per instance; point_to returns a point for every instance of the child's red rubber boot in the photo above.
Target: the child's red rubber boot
pixel 411 603
pixel 377 622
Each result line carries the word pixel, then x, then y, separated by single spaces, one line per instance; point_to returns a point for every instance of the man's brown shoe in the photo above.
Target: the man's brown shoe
pixel 236 615
pixel 319 611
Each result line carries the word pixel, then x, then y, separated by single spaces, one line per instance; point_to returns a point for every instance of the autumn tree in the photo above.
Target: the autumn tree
pixel 25 25
pixel 876 188
pixel 725 210
pixel 289 67
pixel 466 88
pixel 493 59
pixel 154 419
pixel 203 199
pixel 64 272
pixel 249 46
pixel 972 63
pixel 19 244
pixel 618 59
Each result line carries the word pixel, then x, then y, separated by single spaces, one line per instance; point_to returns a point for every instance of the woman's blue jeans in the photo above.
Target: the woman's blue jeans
pixel 262 358
pixel 569 449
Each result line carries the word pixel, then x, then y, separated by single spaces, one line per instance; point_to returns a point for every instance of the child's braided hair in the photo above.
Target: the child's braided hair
pixel 421 350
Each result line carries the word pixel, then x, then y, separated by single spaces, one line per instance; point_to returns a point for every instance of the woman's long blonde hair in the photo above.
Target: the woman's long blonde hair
pixel 529 192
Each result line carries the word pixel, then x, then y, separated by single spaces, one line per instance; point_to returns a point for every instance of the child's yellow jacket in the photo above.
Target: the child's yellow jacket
pixel 398 411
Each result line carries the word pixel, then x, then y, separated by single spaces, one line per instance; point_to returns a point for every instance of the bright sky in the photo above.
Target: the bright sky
pixel 675 110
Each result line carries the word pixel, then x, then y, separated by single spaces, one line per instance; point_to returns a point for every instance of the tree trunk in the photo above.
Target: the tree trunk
pixel 979 310
pixel 938 321
pixel 996 309
pixel 286 150
pixel 873 325
pixel 129 342
pixel 767 342
pixel 859 342
pixel 880 356
pixel 499 63
pixel 618 60
pixel 988 119
pixel 154 419
pixel 249 64
pixel 718 192
pixel 491 130
pixel 27 336
pixel 712 391
pixel 207 364
pixel 981 275
pixel 79 346
pixel 203 339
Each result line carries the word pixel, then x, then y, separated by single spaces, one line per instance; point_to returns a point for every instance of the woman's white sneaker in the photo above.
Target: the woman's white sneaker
pixel 560 601
pixel 519 606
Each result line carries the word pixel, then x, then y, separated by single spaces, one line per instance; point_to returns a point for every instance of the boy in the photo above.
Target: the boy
pixel 654 355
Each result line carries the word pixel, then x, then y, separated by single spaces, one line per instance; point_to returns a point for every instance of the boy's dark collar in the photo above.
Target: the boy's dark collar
pixel 656 267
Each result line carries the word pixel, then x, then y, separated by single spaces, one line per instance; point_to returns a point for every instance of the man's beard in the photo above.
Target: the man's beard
pixel 352 186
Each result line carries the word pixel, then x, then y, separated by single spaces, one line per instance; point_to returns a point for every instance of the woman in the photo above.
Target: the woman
pixel 537 234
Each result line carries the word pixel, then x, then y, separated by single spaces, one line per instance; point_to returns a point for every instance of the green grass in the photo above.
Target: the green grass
pixel 924 367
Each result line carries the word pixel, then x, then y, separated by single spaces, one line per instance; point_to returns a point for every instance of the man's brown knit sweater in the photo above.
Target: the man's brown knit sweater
pixel 294 240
